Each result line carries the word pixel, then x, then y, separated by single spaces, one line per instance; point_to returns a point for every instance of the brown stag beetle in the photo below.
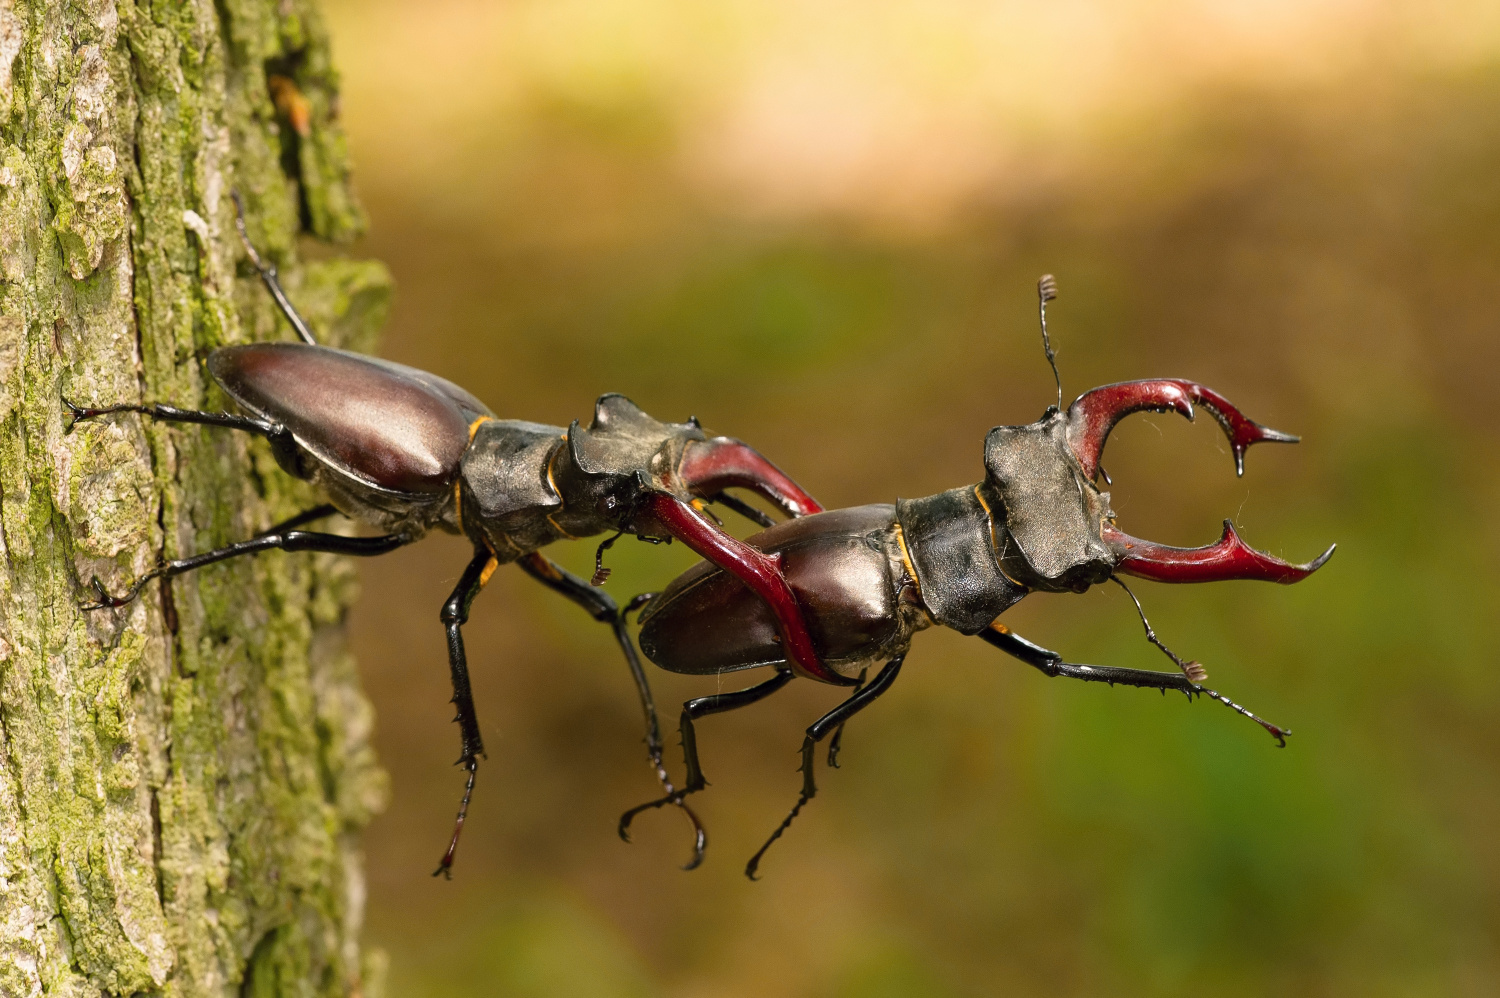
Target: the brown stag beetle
pixel 405 451
pixel 868 578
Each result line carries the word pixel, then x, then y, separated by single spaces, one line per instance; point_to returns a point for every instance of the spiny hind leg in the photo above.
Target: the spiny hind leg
pixel 819 730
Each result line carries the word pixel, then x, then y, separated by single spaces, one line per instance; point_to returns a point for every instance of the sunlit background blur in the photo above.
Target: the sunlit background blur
pixel 818 227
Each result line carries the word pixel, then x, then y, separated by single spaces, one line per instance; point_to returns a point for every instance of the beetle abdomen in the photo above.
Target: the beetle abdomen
pixel 840 569
pixel 391 427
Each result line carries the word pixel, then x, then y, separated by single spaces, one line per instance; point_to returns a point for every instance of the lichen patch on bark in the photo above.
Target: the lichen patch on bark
pixel 182 780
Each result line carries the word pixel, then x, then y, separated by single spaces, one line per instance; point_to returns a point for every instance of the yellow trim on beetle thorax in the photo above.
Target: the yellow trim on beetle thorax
pixel 458 484
pixel 911 569
pixel 994 548
pixel 552 484
pixel 489 566
pixel 474 426
pixel 509 541
pixel 560 530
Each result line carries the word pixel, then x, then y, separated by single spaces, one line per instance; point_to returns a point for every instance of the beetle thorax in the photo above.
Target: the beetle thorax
pixel 950 539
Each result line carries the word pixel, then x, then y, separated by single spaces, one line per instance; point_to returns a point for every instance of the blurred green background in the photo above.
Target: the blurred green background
pixel 818 226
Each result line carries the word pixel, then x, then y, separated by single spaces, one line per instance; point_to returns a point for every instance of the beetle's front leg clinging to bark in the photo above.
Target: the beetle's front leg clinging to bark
pixel 276 539
pixel 283 445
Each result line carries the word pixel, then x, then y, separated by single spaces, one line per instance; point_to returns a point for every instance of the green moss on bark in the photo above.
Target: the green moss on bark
pixel 181 781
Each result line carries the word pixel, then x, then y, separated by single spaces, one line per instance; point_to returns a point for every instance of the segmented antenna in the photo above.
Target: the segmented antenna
pixel 1046 290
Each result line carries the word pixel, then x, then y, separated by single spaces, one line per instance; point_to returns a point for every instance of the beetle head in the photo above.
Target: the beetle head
pixel 608 465
pixel 1053 514
pixel 1061 532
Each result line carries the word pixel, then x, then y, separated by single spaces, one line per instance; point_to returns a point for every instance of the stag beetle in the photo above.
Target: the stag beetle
pixel 405 451
pixel 869 578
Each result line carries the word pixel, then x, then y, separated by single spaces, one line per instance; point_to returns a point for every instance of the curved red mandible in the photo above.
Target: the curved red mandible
pixel 757 570
pixel 1093 414
pixel 1229 558
pixel 711 466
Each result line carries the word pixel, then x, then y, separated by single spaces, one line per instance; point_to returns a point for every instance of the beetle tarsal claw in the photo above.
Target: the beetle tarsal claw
pixel 700 843
pixel 1196 672
pixel 79 414
pixel 99 590
pixel 108 602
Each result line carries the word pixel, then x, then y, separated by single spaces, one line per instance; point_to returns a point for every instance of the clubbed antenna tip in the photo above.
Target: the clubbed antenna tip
pixel 1046 290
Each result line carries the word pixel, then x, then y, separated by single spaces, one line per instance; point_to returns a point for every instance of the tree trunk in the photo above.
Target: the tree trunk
pixel 182 781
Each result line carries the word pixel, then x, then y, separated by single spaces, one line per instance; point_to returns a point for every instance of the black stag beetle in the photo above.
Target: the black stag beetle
pixel 404 451
pixel 868 578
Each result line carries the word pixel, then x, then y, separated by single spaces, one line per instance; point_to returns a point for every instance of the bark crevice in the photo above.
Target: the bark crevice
pixel 182 779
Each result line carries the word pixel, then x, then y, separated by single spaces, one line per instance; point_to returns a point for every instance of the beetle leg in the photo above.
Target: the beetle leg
pixel 276 539
pixel 1050 663
pixel 602 607
pixel 455 614
pixel 283 445
pixel 743 508
pixel 756 569
pixel 267 274
pixel 307 516
pixel 702 707
pixel 836 742
pixel 819 730
pixel 175 415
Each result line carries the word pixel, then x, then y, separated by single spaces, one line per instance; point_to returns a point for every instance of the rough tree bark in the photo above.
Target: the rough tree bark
pixel 181 781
